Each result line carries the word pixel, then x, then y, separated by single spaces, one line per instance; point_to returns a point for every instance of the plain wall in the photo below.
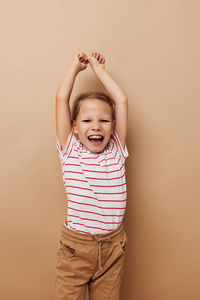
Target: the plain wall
pixel 152 50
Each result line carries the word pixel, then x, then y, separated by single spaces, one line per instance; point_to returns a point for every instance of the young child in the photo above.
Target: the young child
pixel 92 150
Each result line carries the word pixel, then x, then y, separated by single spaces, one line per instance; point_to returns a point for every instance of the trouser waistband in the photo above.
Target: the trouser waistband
pixel 99 238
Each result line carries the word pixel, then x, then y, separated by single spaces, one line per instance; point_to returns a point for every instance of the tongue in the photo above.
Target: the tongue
pixel 95 141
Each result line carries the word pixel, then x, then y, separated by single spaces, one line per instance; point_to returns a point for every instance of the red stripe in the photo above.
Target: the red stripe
pixel 106 200
pixel 79 230
pixel 82 196
pixel 73 165
pixel 112 164
pixel 105 171
pixel 89 164
pixel 94 177
pixel 112 200
pixel 81 150
pixel 90 212
pixel 58 146
pixel 111 150
pixel 76 179
pixel 119 144
pixel 95 185
pixel 105 178
pixel 108 186
pixel 92 220
pixel 110 157
pixel 86 152
pixel 91 226
pixel 111 193
pixel 79 187
pixel 95 205
pixel 73 172
pixel 69 141
pixel 70 151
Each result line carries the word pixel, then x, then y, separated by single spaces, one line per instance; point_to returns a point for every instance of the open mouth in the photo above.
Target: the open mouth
pixel 96 139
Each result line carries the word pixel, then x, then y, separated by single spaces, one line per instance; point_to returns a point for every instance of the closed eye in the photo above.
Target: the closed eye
pixel 90 121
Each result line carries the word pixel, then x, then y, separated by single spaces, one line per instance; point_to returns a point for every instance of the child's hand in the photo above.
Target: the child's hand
pixel 96 61
pixel 80 61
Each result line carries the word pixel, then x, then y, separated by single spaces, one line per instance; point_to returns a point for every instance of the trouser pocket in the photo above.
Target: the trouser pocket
pixel 123 243
pixel 67 248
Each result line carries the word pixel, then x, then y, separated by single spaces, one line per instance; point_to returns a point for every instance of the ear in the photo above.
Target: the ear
pixel 113 126
pixel 74 126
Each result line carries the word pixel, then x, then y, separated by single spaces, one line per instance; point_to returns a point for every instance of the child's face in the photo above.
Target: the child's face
pixel 94 124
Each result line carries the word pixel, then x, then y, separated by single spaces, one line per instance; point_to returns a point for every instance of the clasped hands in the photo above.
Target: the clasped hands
pixel 96 60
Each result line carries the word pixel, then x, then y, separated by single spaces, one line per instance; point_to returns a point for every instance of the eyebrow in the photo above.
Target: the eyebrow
pixel 103 118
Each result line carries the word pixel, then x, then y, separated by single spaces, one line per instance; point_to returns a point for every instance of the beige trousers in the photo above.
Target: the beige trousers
pixel 93 260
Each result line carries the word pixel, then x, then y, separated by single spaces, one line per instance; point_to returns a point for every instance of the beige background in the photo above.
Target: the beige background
pixel 152 50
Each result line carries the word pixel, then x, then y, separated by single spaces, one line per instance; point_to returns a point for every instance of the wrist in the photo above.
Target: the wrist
pixel 99 71
pixel 74 69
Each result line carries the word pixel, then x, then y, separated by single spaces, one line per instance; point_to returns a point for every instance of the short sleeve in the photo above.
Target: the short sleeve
pixel 122 151
pixel 64 153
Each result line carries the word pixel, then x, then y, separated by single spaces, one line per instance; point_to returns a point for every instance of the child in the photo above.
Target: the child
pixel 91 147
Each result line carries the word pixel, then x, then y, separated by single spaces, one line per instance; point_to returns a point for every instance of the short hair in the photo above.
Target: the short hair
pixel 91 95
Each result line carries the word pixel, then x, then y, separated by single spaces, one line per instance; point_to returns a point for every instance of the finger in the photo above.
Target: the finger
pixel 92 54
pixel 80 54
pixel 84 59
pixel 81 59
pixel 101 58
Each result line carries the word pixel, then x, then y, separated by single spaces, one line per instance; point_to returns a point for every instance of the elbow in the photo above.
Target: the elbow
pixel 125 100
pixel 59 97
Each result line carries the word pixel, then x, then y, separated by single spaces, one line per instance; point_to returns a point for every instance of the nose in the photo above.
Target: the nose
pixel 96 125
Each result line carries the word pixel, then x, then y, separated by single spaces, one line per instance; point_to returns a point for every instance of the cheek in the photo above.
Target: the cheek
pixel 109 128
pixel 82 129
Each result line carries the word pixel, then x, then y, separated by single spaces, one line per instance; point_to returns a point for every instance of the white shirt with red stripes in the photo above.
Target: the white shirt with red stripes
pixel 95 185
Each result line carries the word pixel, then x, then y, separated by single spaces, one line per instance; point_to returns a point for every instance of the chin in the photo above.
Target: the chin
pixel 96 151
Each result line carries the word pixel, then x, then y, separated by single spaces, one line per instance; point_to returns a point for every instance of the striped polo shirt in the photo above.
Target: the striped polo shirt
pixel 95 185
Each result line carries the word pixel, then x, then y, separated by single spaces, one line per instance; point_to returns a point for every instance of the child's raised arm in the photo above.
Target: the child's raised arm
pixel 63 115
pixel 97 62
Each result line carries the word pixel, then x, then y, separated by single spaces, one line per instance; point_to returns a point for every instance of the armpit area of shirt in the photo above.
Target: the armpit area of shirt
pixel 123 151
pixel 63 153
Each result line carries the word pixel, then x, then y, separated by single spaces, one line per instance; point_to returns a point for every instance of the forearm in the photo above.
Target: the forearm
pixel 111 86
pixel 65 88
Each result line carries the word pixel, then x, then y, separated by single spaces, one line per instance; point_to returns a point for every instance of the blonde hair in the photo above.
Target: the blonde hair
pixel 91 95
